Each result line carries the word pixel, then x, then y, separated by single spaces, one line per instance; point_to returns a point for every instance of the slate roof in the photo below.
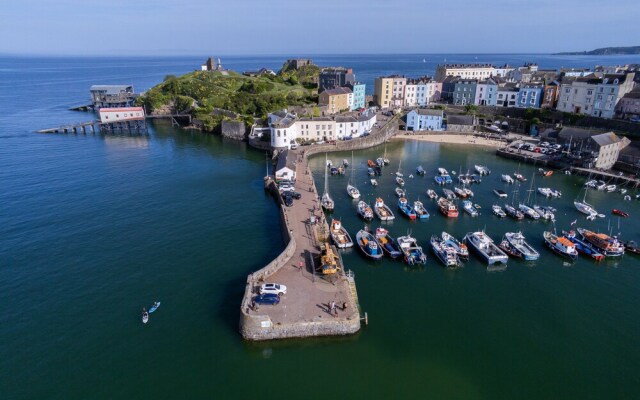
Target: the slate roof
pixel 338 90
pixel 112 89
pixel 429 111
pixel 605 139
pixel 460 120
pixel 285 161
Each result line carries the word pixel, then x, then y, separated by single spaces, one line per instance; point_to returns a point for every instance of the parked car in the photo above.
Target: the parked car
pixel 294 146
pixel 285 187
pixel 267 298
pixel 273 288
pixel 288 200
pixel 295 195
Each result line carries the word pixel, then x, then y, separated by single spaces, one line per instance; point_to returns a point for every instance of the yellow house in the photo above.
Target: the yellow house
pixel 384 91
pixel 336 100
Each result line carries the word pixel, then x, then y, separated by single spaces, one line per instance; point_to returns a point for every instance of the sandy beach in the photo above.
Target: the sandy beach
pixel 453 139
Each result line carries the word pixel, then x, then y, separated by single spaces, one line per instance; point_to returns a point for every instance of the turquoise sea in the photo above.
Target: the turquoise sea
pixel 95 227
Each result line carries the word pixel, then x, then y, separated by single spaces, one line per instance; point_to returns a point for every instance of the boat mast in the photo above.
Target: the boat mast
pixel 326 179
pixel 353 166
pixel 533 177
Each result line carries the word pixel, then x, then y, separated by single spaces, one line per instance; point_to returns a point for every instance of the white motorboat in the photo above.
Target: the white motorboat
pixel 339 235
pixel 469 208
pixel 611 188
pixel 507 178
pixel 353 192
pixel 432 194
pixel 498 211
pixel 383 211
pixel 482 170
pixel 546 192
pixel 374 182
pixel 486 248
pixel 528 211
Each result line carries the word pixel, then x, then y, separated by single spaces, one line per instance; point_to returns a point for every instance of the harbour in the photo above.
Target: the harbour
pixel 183 216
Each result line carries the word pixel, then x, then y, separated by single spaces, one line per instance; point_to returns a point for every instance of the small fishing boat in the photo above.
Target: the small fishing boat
pixel 632 247
pixel 389 244
pixel 482 170
pixel 399 192
pixel 406 208
pixel 582 246
pixel 444 253
pixel 529 212
pixel 507 178
pixel 339 235
pixel 460 249
pixel 399 181
pixel 438 179
pixel 365 211
pixel 368 244
pixel 374 182
pixel 449 194
pixel 486 248
pixel 447 179
pixel 519 177
pixel 326 201
pixel 420 210
pixel 464 179
pixel 513 212
pixel 468 192
pixel 514 243
pixel 353 192
pixel 585 208
pixel 379 162
pixel 341 170
pixel 611 188
pixel 544 213
pixel 432 194
pixel 334 171
pixel 145 317
pixel 591 183
pixel 623 191
pixel 371 163
pixel 345 162
pixel 371 172
pixel 413 253
pixel 442 171
pixel 420 171
pixel 469 208
pixel 605 244
pixel 378 170
pixel 475 178
pixel 447 208
pixel 477 206
pixel 383 211
pixel 619 213
pixel 546 192
pixel 460 193
pixel 329 163
pixel 601 185
pixel 545 172
pixel 154 307
pixel 500 193
pixel 560 245
pixel 498 211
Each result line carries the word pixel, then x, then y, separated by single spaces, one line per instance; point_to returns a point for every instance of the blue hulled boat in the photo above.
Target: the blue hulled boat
pixel 406 209
pixel 368 244
pixel 388 243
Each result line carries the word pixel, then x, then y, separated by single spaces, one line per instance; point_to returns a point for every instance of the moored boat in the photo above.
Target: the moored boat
pixel 432 194
pixel 374 182
pixel 482 170
pixel 353 192
pixel 468 192
pixel 399 192
pixel 520 177
pixel 382 210
pixel 582 246
pixel 420 210
pixel 607 245
pixel 413 253
pixel 389 244
pixel 460 193
pixel 544 213
pixel 339 235
pixel 513 212
pixel 420 171
pixel 406 208
pixel 516 243
pixel 444 253
pixel 442 171
pixel 469 208
pixel 365 211
pixel 619 213
pixel 560 245
pixel 368 244
pixel 585 208
pixel 379 162
pixel 438 179
pixel 371 172
pixel 449 194
pixel 498 211
pixel 486 248
pixel 528 211
pixel 399 181
pixel 447 179
pixel 447 208
pixel 507 178
pixel 345 162
pixel 460 248
pixel 632 247
pixel 371 163
pixel 500 193
pixel 545 191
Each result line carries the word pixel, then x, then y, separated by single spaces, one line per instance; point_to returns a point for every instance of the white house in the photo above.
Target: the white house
pixel 286 167
pixel 411 93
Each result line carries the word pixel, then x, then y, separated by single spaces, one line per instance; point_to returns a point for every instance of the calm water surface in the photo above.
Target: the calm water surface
pixel 93 228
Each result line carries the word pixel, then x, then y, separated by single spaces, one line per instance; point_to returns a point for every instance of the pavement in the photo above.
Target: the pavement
pixel 308 293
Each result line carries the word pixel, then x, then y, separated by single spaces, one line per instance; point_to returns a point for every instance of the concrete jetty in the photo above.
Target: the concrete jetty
pixel 304 310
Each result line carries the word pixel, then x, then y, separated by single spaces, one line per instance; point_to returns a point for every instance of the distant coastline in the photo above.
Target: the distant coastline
pixel 604 51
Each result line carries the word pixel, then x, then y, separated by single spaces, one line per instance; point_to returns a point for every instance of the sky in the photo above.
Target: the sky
pixel 302 27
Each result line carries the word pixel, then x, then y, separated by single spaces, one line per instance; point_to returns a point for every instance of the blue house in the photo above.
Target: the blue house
pixel 465 92
pixel 358 99
pixel 424 120
pixel 530 96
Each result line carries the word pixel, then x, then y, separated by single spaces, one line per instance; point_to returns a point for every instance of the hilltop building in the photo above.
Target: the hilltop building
pixel 211 65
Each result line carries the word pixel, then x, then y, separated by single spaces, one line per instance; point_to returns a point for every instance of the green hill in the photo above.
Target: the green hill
pixel 199 92
pixel 604 51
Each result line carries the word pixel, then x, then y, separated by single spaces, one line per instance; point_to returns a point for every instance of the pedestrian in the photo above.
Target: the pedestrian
pixel 253 304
